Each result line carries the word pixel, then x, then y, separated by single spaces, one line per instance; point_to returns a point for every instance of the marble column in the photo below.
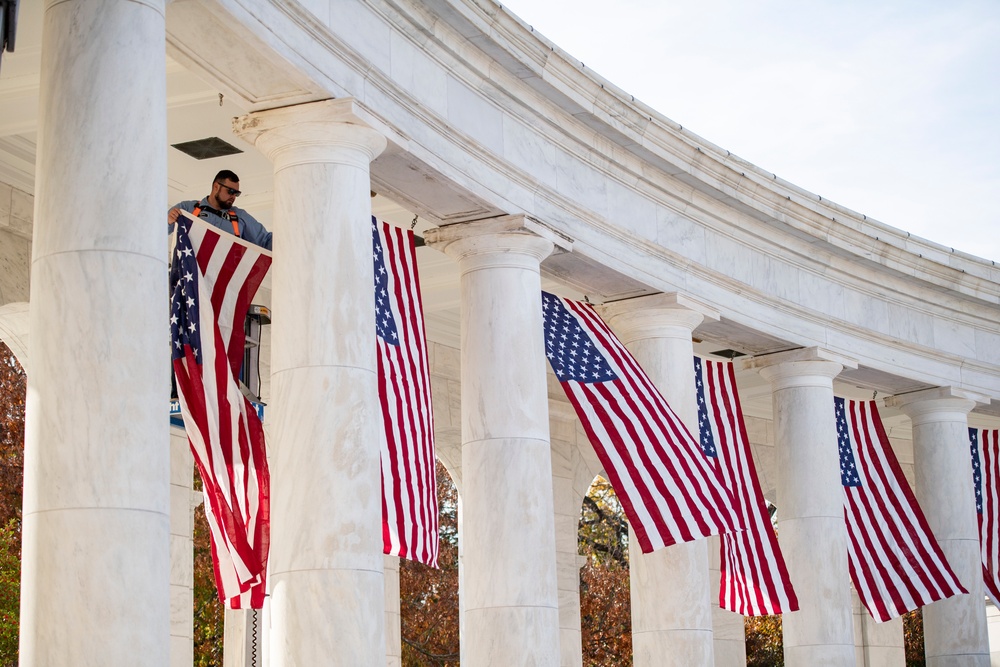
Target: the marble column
pixel 393 639
pixel 326 579
pixel 182 506
pixel 811 526
pixel 510 596
pixel 877 644
pixel 670 588
pixel 955 630
pixel 567 501
pixel 95 579
pixel 243 638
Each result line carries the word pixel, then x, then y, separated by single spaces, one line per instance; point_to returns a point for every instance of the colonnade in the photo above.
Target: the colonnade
pixel 97 482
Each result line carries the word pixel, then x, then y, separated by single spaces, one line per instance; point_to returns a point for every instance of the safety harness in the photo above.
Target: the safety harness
pixel 232 216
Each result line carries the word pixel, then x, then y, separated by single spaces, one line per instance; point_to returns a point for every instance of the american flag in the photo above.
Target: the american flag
pixel 668 489
pixel 409 485
pixel 985 446
pixel 896 564
pixel 213 276
pixel 755 580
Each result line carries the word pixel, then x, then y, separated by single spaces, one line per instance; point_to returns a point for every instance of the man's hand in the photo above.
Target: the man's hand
pixel 172 215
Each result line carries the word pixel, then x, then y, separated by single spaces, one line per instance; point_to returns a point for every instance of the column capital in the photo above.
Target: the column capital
pixel 937 404
pixel 316 132
pixel 804 367
pixel 480 242
pixel 651 316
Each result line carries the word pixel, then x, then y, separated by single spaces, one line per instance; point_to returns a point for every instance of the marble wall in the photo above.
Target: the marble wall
pixel 16 213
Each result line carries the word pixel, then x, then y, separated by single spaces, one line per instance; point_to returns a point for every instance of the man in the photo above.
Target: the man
pixel 217 209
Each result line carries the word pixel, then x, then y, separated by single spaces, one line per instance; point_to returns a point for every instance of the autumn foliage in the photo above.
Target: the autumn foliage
pixel 428 597
pixel 13 389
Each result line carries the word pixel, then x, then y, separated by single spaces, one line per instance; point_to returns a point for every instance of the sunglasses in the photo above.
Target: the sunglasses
pixel 235 193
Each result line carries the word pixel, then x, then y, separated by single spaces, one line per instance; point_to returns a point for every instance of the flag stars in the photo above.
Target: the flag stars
pixel 569 348
pixel 385 319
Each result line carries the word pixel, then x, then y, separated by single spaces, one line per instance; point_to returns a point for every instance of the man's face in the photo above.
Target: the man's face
pixel 225 192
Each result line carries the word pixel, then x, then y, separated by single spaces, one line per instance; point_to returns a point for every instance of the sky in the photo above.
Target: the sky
pixel 889 108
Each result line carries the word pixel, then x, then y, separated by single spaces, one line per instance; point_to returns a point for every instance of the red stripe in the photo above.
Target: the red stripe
pixel 702 506
pixel 408 463
pixel 906 502
pixel 872 500
pixel 715 514
pixel 748 580
pixel 615 474
pixel 651 497
pixel 989 444
pixel 884 512
pixel 232 463
pixel 757 578
pixel 407 379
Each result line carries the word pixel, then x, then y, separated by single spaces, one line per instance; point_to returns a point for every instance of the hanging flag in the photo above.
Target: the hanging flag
pixel 985 446
pixel 213 276
pixel 409 484
pixel 755 580
pixel 896 564
pixel 668 489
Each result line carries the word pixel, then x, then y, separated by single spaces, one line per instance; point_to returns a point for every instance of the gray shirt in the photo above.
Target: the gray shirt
pixel 250 229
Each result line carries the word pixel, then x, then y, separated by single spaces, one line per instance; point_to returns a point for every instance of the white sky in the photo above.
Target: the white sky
pixel 888 107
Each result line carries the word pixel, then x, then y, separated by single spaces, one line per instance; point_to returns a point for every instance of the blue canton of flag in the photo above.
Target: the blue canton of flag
pixel 704 425
pixel 183 299
pixel 848 466
pixel 977 470
pixel 569 349
pixel 385 323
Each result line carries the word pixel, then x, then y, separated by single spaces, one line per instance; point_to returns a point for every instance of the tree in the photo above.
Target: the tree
pixel 428 597
pixel 209 613
pixel 913 638
pixel 763 640
pixel 13 391
pixel 605 606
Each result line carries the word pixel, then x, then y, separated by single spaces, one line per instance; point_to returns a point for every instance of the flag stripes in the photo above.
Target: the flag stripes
pixel 754 578
pixel 213 277
pixel 409 502
pixel 985 447
pixel 669 491
pixel 896 564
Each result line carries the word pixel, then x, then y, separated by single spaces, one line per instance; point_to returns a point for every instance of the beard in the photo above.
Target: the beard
pixel 226 205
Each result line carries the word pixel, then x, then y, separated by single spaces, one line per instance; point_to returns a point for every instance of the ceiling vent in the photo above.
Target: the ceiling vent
pixel 728 354
pixel 204 149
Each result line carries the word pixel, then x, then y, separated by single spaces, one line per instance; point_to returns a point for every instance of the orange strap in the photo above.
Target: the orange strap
pixel 232 218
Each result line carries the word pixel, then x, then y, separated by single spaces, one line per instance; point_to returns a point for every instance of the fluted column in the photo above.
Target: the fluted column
pixel 95 580
pixel 811 526
pixel 670 587
pixel 510 596
pixel 955 631
pixel 326 581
